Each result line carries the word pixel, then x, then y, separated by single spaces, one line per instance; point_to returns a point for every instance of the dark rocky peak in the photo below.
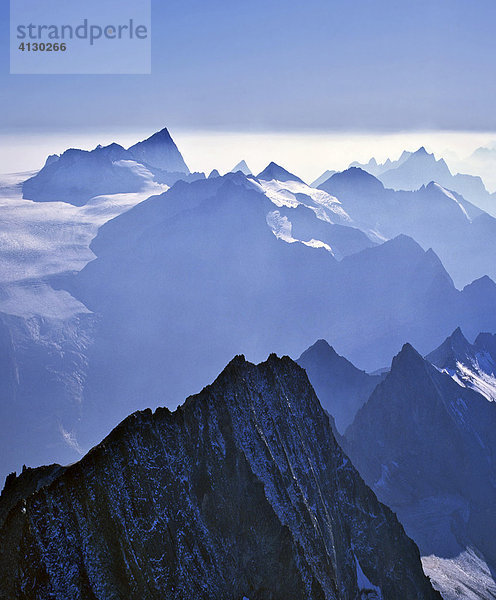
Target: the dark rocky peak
pixel 487 343
pixel 19 487
pixel 341 387
pixel 243 488
pixel 353 181
pixel 274 171
pixel 408 363
pixel 455 348
pixel 160 151
pixel 243 167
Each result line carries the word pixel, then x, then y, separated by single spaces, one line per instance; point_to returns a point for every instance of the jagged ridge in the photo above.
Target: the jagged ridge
pixel 242 491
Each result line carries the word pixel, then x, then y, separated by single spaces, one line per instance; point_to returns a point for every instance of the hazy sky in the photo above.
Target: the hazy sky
pixel 305 153
pixel 287 66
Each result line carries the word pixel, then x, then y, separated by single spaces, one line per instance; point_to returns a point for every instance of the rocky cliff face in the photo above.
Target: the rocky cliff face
pixel 241 492
pixel 341 387
pixel 426 446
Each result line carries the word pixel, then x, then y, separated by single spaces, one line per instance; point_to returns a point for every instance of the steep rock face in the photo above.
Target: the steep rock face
pixel 17 488
pixel 275 171
pixel 242 492
pixel 426 446
pixel 340 386
pixel 160 151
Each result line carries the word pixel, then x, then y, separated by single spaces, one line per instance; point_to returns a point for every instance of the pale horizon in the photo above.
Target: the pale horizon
pixel 307 154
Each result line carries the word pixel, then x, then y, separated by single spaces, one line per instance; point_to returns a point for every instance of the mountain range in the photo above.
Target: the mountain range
pixel 167 303
pixel 416 169
pixel 209 269
pixel 176 283
pixel 461 234
pixel 242 492
pixel 76 176
pixel 424 440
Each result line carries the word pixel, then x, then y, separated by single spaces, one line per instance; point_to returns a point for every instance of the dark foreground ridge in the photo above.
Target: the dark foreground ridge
pixel 241 492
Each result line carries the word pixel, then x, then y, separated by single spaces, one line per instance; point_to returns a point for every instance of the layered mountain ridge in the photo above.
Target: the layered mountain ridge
pixel 145 259
pixel 466 246
pixel 416 169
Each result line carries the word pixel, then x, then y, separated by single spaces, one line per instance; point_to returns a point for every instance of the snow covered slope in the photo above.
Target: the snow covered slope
pixel 45 332
pixel 78 175
pixel 470 365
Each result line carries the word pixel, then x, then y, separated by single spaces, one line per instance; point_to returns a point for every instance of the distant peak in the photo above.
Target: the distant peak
pixel 407 359
pixel 455 347
pixel 323 178
pixel 213 174
pixel 404 155
pixel 353 180
pixel 356 172
pixel 357 177
pixel 160 151
pixel 484 283
pixel 404 241
pixel 243 167
pixel 53 158
pixel 421 152
pixel 275 171
pixel 321 347
pixel 162 134
pixel 458 336
pixel 487 342
pixel 322 344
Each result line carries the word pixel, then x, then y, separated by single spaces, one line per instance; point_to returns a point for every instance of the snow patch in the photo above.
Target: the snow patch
pixel 293 194
pixel 282 228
